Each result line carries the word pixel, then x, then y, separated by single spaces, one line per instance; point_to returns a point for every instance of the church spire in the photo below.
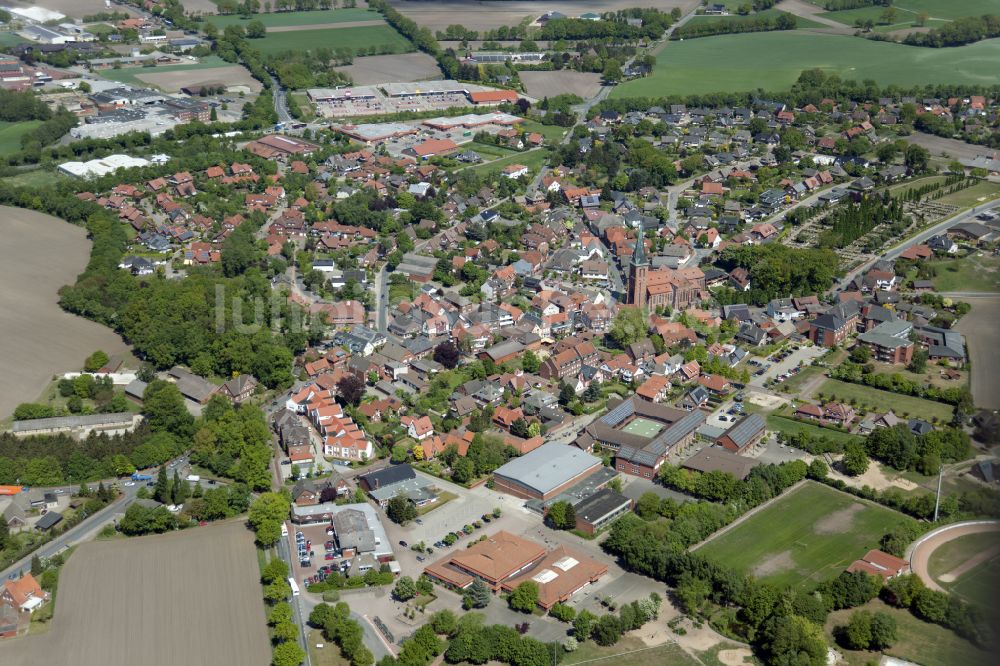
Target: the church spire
pixel 639 255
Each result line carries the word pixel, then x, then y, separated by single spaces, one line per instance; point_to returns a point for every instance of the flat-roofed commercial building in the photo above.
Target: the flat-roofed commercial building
pixel 598 511
pixel 545 472
pixel 504 561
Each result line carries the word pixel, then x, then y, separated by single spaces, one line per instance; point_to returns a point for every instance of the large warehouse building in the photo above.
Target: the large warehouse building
pixel 545 472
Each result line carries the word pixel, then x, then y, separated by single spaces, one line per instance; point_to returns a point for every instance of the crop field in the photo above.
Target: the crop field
pixel 487 14
pixel 132 75
pixel 11 133
pixel 172 81
pixel 287 19
pixel 774 60
pixel 808 536
pixel 190 597
pixel 877 400
pixel 550 84
pixel 373 70
pixel 982 336
pixel 333 38
pixel 801 21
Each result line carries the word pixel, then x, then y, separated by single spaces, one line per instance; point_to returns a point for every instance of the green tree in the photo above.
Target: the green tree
pixel 793 640
pixel 163 405
pixel 855 459
pixel 36 566
pixel 405 589
pixel 281 612
pixel 883 631
pixel 524 597
pixel 275 569
pixel 613 72
pixel 607 630
pixel 628 326
pixel 583 625
pixel 561 516
pixel 95 361
pixel 161 492
pixel 287 654
pixel 530 362
pixel 478 594
pixel 266 514
pixel 857 635
pixel 918 363
pixel 400 510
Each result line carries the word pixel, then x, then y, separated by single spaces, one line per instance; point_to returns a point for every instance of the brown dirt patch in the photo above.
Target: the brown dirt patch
pixel 982 335
pixel 189 597
pixel 374 70
pixel 233 75
pixel 324 26
pixel 196 6
pixel 838 522
pixel 734 657
pixel 775 564
pixel 549 84
pixel 39 254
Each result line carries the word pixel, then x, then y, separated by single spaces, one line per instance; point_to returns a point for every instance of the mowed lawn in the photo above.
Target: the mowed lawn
pixel 11 133
pixel 806 537
pixel 793 427
pixel 333 38
pixel 533 159
pixel 876 400
pixel 283 19
pixel 979 193
pixel 774 60
pixel 908 10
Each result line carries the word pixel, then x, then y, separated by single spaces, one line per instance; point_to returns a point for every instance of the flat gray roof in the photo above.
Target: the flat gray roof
pixel 83 421
pixel 549 466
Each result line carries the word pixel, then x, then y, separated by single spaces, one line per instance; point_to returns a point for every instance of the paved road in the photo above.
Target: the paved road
pixel 921 237
pixel 280 102
pixel 89 527
pixel 382 299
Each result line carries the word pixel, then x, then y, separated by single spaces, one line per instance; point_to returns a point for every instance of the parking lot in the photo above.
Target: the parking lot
pixel 780 363
pixel 316 534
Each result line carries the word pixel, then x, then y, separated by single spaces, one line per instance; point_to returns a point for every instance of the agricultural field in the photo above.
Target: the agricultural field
pixel 907 11
pixel 801 21
pixel 379 35
pixel 976 272
pixel 374 70
pixel 902 21
pixel 875 400
pixel 774 60
pixel 808 536
pixel 969 567
pixel 982 336
pixel 439 14
pixel 11 133
pixel 549 84
pixel 917 641
pixel 172 80
pixel 189 597
pixel 290 19
pixel 133 75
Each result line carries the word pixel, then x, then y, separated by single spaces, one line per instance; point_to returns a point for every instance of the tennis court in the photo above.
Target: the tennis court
pixel 643 428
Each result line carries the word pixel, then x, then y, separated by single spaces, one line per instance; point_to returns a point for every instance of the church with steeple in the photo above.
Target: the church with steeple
pixel 638 270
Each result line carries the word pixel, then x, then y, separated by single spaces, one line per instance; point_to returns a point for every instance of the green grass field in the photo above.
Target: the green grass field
pixel 979 193
pixel 774 60
pixel 806 537
pixel 283 19
pixel 643 428
pixel 128 74
pixel 908 10
pixel 11 39
pixel 916 641
pixel 902 21
pixel 802 21
pixel 533 159
pixel 980 583
pixel 978 272
pixel 793 427
pixel 552 133
pixel 11 133
pixel 872 399
pixel 35 178
pixel 352 38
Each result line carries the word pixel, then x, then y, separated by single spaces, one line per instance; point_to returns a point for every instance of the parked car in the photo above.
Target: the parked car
pixel 403 544
pixel 420 558
pixel 328 556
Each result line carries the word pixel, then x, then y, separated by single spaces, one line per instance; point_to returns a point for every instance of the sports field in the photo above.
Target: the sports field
pixel 283 19
pixel 774 60
pixel 333 38
pixel 643 428
pixel 190 597
pixel 969 567
pixel 876 400
pixel 808 536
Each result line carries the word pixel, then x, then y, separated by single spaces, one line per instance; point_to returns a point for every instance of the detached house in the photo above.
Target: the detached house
pixel 417 427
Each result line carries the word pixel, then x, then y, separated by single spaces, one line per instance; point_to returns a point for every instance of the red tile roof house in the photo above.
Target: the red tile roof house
pixel 418 427
pixel 877 563
pixel 24 594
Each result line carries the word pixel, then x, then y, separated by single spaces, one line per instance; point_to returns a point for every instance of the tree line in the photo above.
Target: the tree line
pixel 961 31
pixel 852 221
pixel 735 25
